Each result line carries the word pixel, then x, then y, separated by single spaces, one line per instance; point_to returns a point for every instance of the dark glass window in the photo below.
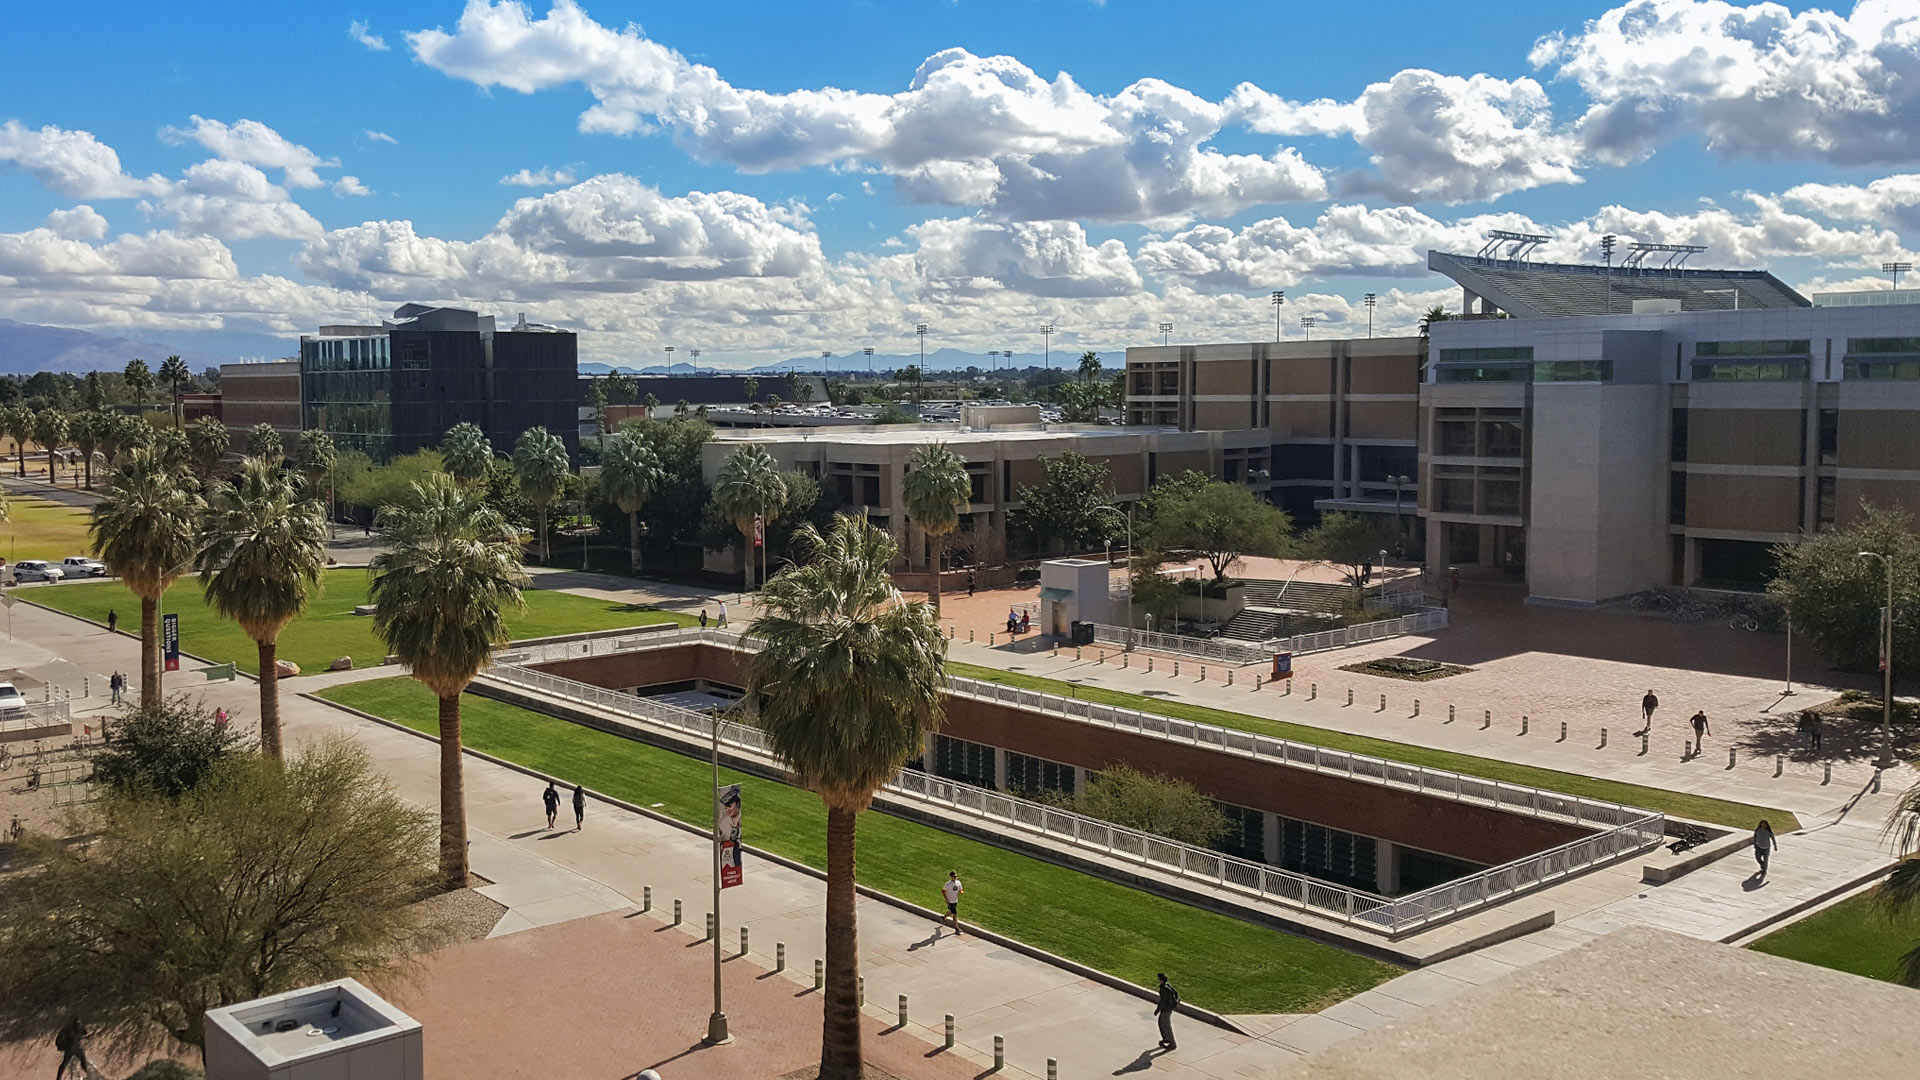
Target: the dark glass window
pixel 1505 438
pixel 1456 438
pixel 967 762
pixel 1246 835
pixel 1829 436
pixel 1769 347
pixel 1677 436
pixel 1482 355
pixel 1031 775
pixel 1824 500
pixel 1676 498
pixel 1884 345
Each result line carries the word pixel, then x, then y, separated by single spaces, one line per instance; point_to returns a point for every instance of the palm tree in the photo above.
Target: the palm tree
pixel 1898 897
pixel 848 684
pixel 84 429
pixel 540 463
pixel 466 452
pixel 173 372
pixel 749 485
pixel 208 439
pixel 17 423
pixel 263 441
pixel 1434 314
pixel 440 594
pixel 630 474
pixel 139 380
pixel 174 449
pixel 144 530
pixel 262 548
pixel 1089 366
pixel 49 430
pixel 316 458
pixel 937 488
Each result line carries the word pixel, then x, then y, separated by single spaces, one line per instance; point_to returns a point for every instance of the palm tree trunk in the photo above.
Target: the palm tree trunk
pixel 270 701
pixel 149 652
pixel 633 537
pixel 543 531
pixel 840 1023
pixel 453 798
pixel 89 471
pixel 747 534
pixel 939 549
pixel 52 476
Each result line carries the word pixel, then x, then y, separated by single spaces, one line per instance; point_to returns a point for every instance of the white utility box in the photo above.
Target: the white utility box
pixel 334 1031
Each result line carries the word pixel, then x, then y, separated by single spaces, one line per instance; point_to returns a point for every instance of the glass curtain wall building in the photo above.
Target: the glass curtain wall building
pixel 346 388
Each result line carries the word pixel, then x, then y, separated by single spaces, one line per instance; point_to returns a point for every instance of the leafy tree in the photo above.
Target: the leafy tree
pixel 1152 803
pixel 50 430
pixel 264 441
pixel 911 374
pixel 937 489
pixel 96 392
pixel 260 880
pixel 144 530
pixel 17 422
pixel 1171 489
pixel 174 449
pixel 1067 503
pixel 749 485
pixel 894 414
pixel 467 452
pixel 1434 314
pixel 136 434
pixel 1154 593
pixel 1348 542
pixel 174 372
pixel 630 474
pixel 139 381
pixel 1089 367
pixel 1898 897
pixel 1220 522
pixel 440 594
pixel 167 749
pixel 848 684
pixel 540 462
pixel 804 391
pixel 208 440
pixel 262 548
pixel 359 482
pixel 1836 596
pixel 316 458
pixel 84 429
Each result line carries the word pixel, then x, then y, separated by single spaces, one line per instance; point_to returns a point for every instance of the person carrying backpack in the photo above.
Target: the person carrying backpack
pixel 1163 1009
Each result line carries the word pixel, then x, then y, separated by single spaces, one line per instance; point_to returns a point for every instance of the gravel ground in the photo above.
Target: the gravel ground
pixel 461 915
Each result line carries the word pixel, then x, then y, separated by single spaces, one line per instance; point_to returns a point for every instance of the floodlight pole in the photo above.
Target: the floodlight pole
pixel 717 1023
pixel 1886 663
pixel 1046 346
pixel 1370 299
pixel 1278 298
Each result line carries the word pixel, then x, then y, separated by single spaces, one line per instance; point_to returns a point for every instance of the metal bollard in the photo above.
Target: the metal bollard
pixel 1203 673
pixel 949 631
pixel 1149 665
pixel 1603 738
pixel 903 1010
pixel 710 927
pixel 1256 680
pixel 860 985
pixel 676 913
pixel 1349 695
pixel 1686 750
pixel 1449 714
pixel 1383 703
pixel 86 686
pixel 646 898
pixel 1230 676
pixel 1288 692
pixel 1563 731
pixel 1643 744
pixel 1053 1069
pixel 1313 691
pixel 1826 776
pixel 743 941
pixel 969 635
pixel 991 642
pixel 819 974
pixel 999 1052
pixel 1076 652
pixel 1125 660
pixel 1176 669
pixel 1523 723
pixel 1416 706
pixel 1056 647
pixel 949 1031
pixel 1876 781
pixel 779 956
pixel 1102 657
pixel 1729 757
pixel 1779 766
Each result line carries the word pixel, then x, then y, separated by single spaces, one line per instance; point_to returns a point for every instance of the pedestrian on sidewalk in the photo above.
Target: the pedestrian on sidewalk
pixel 71 1042
pixel 1813 730
pixel 1169 1001
pixel 551 797
pixel 1647 705
pixel 220 716
pixel 703 618
pixel 723 615
pixel 1764 843
pixel 579 807
pixel 1700 730
pixel 117 684
pixel 951 889
pixel 969 581
pixel 113 621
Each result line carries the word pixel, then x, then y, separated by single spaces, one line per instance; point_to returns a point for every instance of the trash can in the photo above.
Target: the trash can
pixel 1283 665
pixel 1082 633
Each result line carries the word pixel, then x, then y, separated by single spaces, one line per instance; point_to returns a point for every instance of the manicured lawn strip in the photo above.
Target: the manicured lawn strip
pixel 329 629
pixel 1218 962
pixel 1677 803
pixel 1850 936
pixel 42 530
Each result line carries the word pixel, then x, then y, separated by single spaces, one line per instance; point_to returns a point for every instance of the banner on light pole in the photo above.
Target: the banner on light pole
pixel 730 866
pixel 759 530
pixel 170 640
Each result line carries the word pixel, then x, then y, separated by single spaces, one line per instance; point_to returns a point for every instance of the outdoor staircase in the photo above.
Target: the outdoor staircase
pixel 1254 624
pixel 1297 595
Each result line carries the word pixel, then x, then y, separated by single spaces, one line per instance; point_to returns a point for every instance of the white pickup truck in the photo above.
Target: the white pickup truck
pixel 77 566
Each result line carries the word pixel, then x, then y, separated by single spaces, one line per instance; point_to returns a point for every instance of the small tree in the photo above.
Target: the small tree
pixel 139 380
pixel 1067 503
pixel 540 462
pixel 467 452
pixel 1152 803
pixel 175 373
pixel 84 429
pixel 937 490
pixel 1348 542
pixel 316 458
pixel 166 749
pixel 50 430
pixel 1836 596
pixel 1220 522
pixel 262 880
pixel 630 474
pixel 264 442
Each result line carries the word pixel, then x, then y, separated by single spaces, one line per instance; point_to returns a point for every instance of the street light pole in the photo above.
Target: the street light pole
pixel 1399 523
pixel 717 1023
pixel 1370 299
pixel 1886 663
pixel 1278 299
pixel 869 351
pixel 920 376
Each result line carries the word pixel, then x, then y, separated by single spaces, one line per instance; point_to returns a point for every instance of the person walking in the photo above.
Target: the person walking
pixel 117 684
pixel 723 615
pixel 579 807
pixel 1700 730
pixel 951 889
pixel 71 1042
pixel 969 581
pixel 703 618
pixel 1163 1009
pixel 1647 705
pixel 551 797
pixel 1764 844
pixel 113 621
pixel 220 716
pixel 1813 730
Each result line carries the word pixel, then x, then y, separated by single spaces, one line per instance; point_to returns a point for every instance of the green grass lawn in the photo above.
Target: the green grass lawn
pixel 1218 962
pixel 1680 804
pixel 329 629
pixel 1849 936
pixel 42 530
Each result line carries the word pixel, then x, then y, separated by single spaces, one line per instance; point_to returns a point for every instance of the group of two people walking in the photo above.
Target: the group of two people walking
pixel 1699 720
pixel 551 797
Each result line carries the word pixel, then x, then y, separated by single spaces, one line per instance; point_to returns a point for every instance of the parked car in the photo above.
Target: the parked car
pixel 78 566
pixel 35 570
pixel 12 702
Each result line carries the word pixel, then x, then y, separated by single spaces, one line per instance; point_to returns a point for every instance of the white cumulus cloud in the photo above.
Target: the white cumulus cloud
pixel 359 31
pixel 379 136
pixel 255 143
pixel 71 163
pixel 544 177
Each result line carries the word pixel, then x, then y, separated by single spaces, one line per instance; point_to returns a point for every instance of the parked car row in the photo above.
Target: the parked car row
pixel 31 570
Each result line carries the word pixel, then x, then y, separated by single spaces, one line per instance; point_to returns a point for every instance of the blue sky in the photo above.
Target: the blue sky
pixel 772 179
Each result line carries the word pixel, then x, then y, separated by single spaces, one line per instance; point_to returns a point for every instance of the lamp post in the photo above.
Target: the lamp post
pixel 1166 333
pixel 1399 524
pixel 1046 346
pixel 669 357
pixel 869 351
pixel 1886 663
pixel 695 353
pixel 1279 298
pixel 1127 642
pixel 1306 322
pixel 825 355
pixel 717 1023
pixel 1896 269
pixel 1370 299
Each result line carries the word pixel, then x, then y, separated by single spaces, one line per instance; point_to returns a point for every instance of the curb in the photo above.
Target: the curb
pixel 1754 930
pixel 1079 969
pixel 237 673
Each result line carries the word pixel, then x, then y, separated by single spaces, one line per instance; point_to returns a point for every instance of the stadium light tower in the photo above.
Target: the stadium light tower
pixel 1370 299
pixel 1046 346
pixel 695 353
pixel 1606 248
pixel 1896 269
pixel 1166 333
pixel 869 351
pixel 1279 297
pixel 1306 322
pixel 825 355
pixel 669 358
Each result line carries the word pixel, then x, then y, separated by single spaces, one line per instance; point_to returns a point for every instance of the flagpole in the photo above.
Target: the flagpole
pixel 717 1023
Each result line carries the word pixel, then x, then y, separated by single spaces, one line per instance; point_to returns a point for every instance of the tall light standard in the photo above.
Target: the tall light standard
pixel 1166 333
pixel 1399 523
pixel 1128 521
pixel 717 1023
pixel 669 357
pixel 1370 299
pixel 1886 663
pixel 1046 346
pixel 825 356
pixel 1896 269
pixel 869 351
pixel 695 353
pixel 1306 321
pixel 1279 298
pixel 920 375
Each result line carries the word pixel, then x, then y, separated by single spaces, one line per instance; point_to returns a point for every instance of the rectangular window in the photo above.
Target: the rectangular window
pixel 1455 494
pixel 1676 498
pixel 1504 438
pixel 1884 345
pixel 1501 496
pixel 1768 347
pixel 967 762
pixel 1829 436
pixel 1029 775
pixel 1824 499
pixel 1752 371
pixel 1459 373
pixel 1456 438
pixel 1246 835
pixel 1573 371
pixel 1904 370
pixel 1677 436
pixel 1475 356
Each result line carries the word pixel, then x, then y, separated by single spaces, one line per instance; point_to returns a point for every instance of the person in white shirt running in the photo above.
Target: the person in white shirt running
pixel 952 889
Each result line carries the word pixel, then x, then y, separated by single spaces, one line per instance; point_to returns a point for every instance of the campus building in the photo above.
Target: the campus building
pixel 391 389
pixel 261 392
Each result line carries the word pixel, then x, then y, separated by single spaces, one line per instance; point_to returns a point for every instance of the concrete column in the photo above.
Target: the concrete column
pixel 1270 838
pixel 1079 779
pixel 1468 300
pixel 1000 768
pixel 1353 472
pixel 1386 868
pixel 1691 564
pixel 1339 424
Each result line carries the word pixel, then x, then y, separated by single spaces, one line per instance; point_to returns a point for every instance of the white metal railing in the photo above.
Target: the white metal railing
pixel 1622 830
pixel 1235 651
pixel 1224 650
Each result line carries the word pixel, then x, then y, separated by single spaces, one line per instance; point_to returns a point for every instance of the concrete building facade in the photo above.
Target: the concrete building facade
pixel 261 393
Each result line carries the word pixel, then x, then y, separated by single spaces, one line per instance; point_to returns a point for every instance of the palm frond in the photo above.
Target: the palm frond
pixel 262 548
pixel 936 488
pixel 145 526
